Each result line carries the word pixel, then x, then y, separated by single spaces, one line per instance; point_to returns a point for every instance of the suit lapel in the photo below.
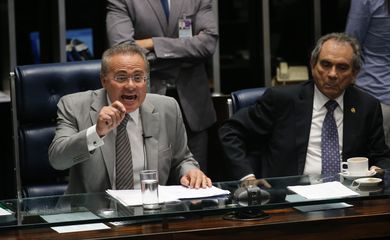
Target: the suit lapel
pixel 98 102
pixel 304 112
pixel 175 15
pixel 108 149
pixel 351 114
pixel 150 126
pixel 159 12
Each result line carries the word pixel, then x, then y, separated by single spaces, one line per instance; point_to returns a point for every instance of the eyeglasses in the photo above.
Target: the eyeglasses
pixel 137 78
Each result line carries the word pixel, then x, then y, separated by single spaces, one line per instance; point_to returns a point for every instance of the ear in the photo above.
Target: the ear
pixel 354 76
pixel 103 80
pixel 312 67
pixel 312 64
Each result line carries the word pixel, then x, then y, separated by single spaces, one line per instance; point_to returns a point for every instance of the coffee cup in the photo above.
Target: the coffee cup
pixel 356 166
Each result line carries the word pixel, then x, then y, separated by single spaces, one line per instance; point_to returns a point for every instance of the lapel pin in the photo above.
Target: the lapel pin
pixel 353 110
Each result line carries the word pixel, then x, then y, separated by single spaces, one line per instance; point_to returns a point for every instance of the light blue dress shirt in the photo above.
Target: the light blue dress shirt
pixel 369 22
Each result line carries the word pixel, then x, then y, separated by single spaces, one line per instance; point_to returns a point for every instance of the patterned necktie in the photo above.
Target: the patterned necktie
pixel 124 164
pixel 330 142
pixel 165 6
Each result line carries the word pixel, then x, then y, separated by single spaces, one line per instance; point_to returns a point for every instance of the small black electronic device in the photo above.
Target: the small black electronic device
pixel 251 195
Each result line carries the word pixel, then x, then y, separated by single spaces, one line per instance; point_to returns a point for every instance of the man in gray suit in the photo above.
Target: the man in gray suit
pixel 177 43
pixel 87 127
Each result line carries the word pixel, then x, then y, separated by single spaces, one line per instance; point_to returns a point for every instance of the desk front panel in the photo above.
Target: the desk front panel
pixel 366 219
pixel 196 215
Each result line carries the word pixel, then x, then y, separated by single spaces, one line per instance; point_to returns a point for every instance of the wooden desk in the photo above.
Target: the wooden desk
pixel 367 219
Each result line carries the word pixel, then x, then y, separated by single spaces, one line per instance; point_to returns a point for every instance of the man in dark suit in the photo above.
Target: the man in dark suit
pixel 281 134
pixel 88 125
pixel 178 36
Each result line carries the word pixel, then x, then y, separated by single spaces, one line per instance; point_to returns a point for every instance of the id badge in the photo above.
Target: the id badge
pixel 185 28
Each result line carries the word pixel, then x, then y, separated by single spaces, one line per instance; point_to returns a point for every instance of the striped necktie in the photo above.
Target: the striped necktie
pixel 124 163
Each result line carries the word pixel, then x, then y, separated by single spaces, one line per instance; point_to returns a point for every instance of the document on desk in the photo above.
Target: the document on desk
pixel 66 217
pixel 320 191
pixel 166 194
pixel 4 212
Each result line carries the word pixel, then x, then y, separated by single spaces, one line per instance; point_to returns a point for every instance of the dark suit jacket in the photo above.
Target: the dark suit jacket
pixel 271 137
pixel 178 61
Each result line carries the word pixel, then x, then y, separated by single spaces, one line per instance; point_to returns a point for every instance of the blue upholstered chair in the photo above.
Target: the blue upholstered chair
pixel 35 91
pixel 241 99
pixel 244 98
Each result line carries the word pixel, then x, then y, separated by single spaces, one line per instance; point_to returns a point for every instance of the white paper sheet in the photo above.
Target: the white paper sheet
pixel 4 212
pixel 329 190
pixel 181 192
pixel 322 207
pixel 80 227
pixel 134 197
pixel 166 194
pixel 65 217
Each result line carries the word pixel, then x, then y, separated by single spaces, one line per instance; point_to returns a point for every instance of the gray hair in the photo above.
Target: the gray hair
pixel 122 49
pixel 341 38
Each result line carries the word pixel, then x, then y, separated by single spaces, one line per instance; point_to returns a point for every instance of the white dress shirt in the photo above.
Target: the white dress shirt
pixel 313 163
pixel 135 132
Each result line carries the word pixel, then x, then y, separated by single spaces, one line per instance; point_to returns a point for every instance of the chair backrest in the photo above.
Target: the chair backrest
pixel 35 92
pixel 244 98
pixel 241 99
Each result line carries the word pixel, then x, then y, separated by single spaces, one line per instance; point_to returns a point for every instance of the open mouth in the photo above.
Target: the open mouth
pixel 129 97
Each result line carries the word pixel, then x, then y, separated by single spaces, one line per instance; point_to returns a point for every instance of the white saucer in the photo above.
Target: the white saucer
pixel 353 177
pixel 368 181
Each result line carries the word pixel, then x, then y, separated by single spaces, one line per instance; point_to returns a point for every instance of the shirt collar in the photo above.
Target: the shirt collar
pixel 135 116
pixel 320 99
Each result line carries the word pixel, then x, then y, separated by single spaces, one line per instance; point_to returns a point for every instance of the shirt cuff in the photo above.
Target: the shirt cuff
pixel 93 139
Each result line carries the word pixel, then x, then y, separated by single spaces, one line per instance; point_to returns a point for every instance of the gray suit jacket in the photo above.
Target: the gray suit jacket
pixel 164 133
pixel 178 61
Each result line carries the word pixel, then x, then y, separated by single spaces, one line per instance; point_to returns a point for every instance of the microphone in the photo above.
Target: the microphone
pixel 145 137
pixel 251 195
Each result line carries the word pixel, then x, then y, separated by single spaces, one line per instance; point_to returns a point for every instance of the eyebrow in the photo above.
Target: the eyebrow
pixel 137 71
pixel 121 72
pixel 333 63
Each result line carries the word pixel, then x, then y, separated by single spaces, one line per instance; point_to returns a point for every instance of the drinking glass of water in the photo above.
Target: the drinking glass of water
pixel 149 189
